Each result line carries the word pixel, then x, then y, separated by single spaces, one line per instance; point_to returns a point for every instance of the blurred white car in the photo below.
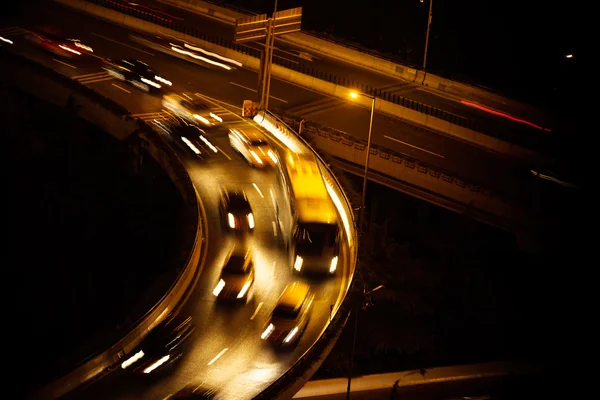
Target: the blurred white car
pixel 195 111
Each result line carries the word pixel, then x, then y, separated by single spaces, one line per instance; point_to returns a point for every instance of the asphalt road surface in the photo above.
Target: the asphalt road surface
pixel 227 351
pixel 487 121
pixel 468 162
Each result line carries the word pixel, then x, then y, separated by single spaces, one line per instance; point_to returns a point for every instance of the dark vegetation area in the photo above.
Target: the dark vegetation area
pixel 456 292
pixel 93 245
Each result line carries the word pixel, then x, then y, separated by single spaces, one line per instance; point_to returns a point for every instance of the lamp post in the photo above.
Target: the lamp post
pixel 363 305
pixel 427 34
pixel 361 216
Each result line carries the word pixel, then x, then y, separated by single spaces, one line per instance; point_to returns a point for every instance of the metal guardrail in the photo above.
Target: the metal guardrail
pixel 515 135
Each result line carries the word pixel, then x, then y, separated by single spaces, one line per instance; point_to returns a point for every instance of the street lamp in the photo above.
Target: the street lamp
pixel 427 34
pixel 355 95
pixel 364 305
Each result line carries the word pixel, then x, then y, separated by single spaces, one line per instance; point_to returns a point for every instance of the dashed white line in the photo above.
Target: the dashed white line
pixel 119 87
pixel 414 147
pixel 258 190
pixel 225 154
pixel 274 228
pixel 274 265
pixel 64 63
pixel 256 311
pixel 218 356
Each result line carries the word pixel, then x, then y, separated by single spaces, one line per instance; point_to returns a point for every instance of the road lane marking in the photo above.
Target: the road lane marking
pixel 94 74
pixel 64 63
pixel 188 96
pixel 225 154
pixel 119 87
pixel 414 147
pixel 255 91
pixel 122 44
pixel 218 356
pixel 95 80
pixel 274 228
pixel 258 190
pixel 256 311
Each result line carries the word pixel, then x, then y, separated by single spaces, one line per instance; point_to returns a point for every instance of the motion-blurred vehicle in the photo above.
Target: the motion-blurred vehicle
pixel 237 277
pixel 138 73
pixel 312 233
pixel 290 316
pixel 235 209
pixel 193 110
pixel 55 41
pixel 253 145
pixel 187 136
pixel 163 346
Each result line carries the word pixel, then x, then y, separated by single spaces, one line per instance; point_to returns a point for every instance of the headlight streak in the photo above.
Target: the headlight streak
pixel 163 80
pixel 219 287
pixel 209 144
pixel 202 119
pixel 6 40
pixel 251 221
pixel 298 263
pixel 134 358
pixel 208 53
pixel 151 83
pixel 157 364
pixel 62 46
pixel 244 290
pixel 267 332
pixel 333 265
pixel 82 46
pixel 272 155
pixel 291 335
pixel 256 157
pixel 215 116
pixel 196 56
pixel 190 145
pixel 268 125
pixel 231 220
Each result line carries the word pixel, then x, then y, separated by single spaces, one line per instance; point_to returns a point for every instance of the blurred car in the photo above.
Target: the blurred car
pixel 290 316
pixel 187 136
pixel 193 110
pixel 235 209
pixel 253 145
pixel 55 41
pixel 138 73
pixel 237 276
pixel 161 348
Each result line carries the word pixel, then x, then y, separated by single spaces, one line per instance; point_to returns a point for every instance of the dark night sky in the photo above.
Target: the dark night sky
pixel 515 46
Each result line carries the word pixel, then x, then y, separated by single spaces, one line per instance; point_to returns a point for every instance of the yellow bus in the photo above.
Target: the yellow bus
pixel 313 229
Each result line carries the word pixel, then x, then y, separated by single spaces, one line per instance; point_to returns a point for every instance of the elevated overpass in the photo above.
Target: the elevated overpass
pixel 461 111
pixel 223 356
pixel 343 63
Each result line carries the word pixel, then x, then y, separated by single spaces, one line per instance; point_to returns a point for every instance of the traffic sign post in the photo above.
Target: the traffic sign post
pixel 255 28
